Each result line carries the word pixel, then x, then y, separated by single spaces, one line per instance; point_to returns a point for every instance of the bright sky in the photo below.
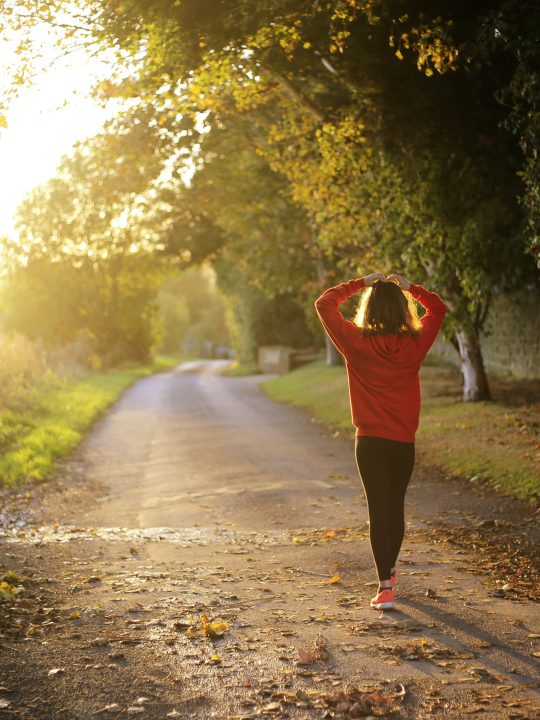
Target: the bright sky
pixel 43 124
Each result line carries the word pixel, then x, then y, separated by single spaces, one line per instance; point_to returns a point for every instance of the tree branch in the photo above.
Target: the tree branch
pixel 296 94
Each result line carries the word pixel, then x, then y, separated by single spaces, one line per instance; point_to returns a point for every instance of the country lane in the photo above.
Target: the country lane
pixel 205 554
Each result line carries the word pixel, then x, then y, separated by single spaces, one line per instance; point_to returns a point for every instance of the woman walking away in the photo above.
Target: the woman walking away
pixel 384 349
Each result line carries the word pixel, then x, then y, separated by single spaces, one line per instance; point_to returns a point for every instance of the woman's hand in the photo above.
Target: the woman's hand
pixel 370 279
pixel 403 283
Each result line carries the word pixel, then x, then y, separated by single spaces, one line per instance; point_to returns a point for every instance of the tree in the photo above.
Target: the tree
pixel 191 308
pixel 236 215
pixel 83 256
pixel 381 116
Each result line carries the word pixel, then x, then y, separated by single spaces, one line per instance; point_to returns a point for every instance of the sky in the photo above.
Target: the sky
pixel 43 124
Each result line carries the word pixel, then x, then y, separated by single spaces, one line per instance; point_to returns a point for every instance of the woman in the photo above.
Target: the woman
pixel 384 349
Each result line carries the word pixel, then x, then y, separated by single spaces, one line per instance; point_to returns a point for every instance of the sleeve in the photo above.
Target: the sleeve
pixel 338 328
pixel 433 318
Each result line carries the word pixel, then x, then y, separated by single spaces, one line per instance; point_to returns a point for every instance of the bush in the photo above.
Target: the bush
pixel 28 365
pixel 23 365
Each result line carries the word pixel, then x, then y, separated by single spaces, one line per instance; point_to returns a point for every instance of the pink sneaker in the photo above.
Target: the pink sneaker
pixel 384 600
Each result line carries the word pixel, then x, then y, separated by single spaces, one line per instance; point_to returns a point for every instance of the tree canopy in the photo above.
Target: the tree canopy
pixel 323 137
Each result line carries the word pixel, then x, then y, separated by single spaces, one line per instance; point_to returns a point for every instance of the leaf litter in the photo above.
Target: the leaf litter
pixel 350 702
pixel 318 537
pixel 497 552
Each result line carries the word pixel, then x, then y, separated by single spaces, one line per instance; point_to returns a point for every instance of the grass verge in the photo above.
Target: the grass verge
pixel 237 370
pixel 53 421
pixel 497 442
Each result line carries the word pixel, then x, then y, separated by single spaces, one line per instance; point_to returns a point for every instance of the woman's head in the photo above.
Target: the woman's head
pixel 385 309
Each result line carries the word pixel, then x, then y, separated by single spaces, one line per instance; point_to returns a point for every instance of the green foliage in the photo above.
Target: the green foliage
pixel 192 312
pixel 512 29
pixel 82 260
pixel 23 365
pixel 244 304
pixel 365 134
pixel 112 305
pixel 254 318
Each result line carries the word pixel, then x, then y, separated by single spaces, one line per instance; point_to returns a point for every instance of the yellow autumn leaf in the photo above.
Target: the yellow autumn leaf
pixel 218 627
pixel 333 580
pixel 215 658
pixel 399 54
pixel 3 121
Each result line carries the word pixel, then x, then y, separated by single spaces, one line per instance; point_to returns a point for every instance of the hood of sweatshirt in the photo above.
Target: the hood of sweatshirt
pixel 396 350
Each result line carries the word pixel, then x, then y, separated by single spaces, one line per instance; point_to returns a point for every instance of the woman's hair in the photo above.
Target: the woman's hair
pixel 385 309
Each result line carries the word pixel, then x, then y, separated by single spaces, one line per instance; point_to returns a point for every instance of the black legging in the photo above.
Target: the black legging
pixel 385 468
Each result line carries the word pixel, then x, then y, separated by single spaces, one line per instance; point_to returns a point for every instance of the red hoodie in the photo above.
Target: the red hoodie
pixel 384 384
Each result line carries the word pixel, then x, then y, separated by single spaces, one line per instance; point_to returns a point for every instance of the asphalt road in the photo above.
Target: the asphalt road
pixel 197 500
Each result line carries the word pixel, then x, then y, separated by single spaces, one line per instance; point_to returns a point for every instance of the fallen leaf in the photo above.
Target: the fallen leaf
pixel 473 709
pixel 112 707
pixel 318 651
pixel 333 580
pixel 215 628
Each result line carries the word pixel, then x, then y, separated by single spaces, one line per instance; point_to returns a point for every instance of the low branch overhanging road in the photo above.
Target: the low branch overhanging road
pixel 205 555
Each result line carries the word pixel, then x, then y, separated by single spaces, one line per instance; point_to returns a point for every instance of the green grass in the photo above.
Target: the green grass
pixel 238 370
pixel 493 441
pixel 320 389
pixel 55 419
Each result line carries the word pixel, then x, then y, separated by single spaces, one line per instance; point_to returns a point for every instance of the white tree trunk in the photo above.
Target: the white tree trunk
pixel 475 383
pixel 333 357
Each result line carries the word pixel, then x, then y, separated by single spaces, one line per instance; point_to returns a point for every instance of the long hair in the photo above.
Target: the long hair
pixel 385 309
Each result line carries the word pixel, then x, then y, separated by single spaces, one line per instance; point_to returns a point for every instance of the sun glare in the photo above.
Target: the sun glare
pixel 43 124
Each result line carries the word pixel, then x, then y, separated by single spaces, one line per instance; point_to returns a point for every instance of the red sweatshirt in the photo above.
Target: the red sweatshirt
pixel 384 384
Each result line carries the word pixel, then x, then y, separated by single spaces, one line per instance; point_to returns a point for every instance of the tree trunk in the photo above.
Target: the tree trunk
pixel 333 357
pixel 475 383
